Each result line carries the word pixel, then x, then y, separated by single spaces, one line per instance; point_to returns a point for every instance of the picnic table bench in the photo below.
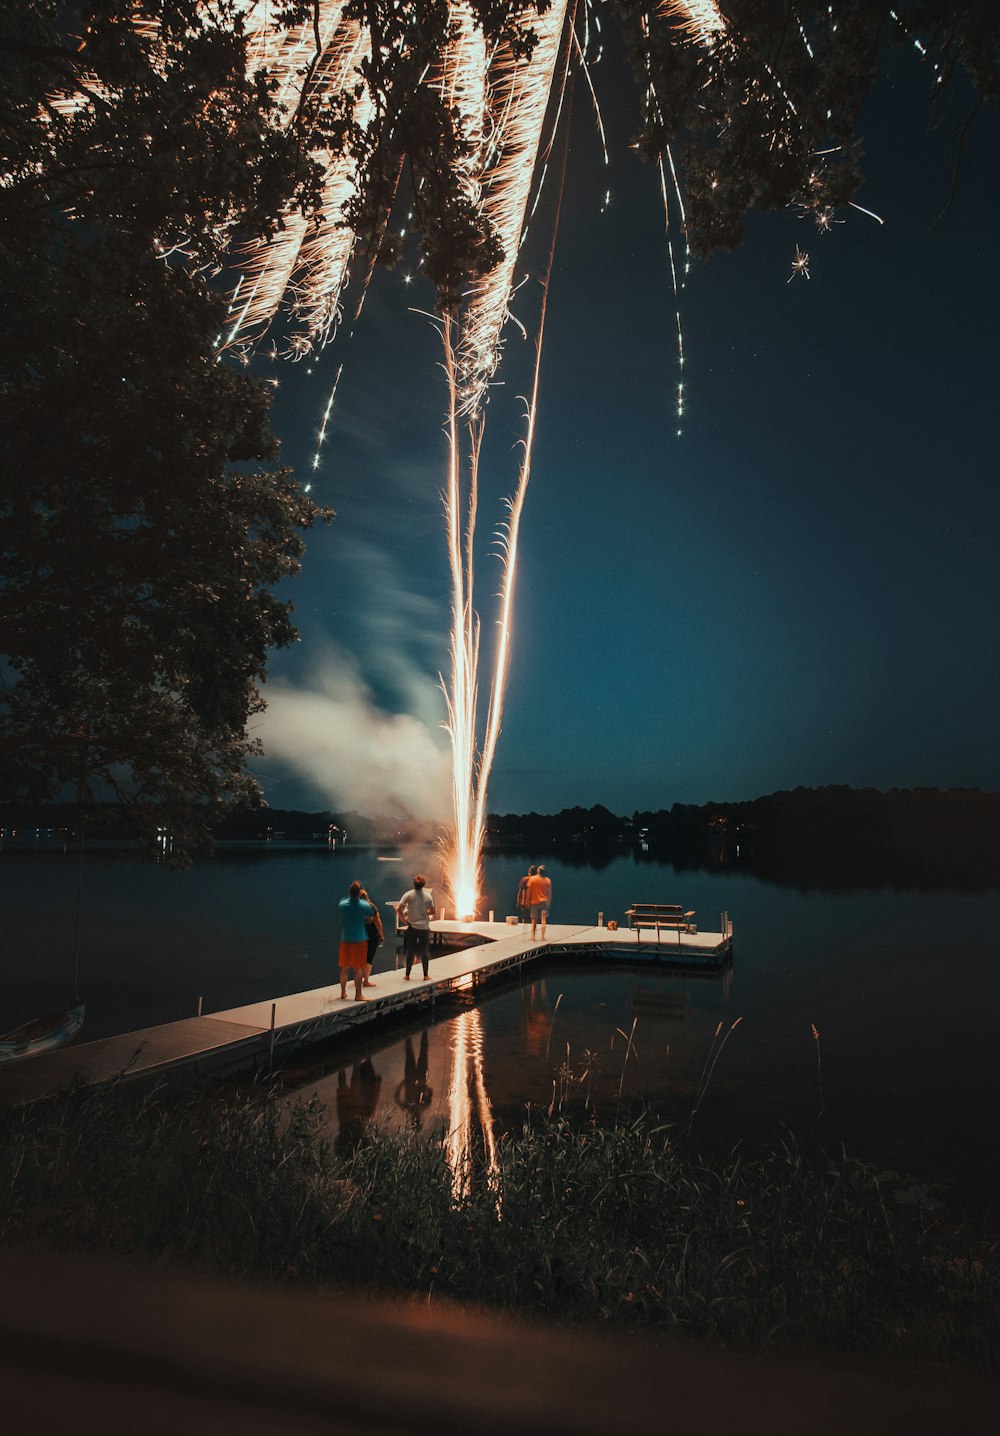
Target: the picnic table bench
pixel 661 917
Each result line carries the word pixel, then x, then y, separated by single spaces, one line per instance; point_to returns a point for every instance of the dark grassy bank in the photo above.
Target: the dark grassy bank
pixel 601 1226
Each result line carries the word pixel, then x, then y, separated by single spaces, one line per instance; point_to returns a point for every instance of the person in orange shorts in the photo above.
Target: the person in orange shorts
pixel 354 912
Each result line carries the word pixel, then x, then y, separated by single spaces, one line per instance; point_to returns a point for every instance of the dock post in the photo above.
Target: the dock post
pixel 491 914
pixel 198 1013
pixel 600 919
pixel 270 1045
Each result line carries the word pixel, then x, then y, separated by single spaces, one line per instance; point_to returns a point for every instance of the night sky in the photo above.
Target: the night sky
pixel 800 589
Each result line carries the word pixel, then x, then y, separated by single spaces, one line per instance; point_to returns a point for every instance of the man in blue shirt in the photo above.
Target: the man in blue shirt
pixel 353 940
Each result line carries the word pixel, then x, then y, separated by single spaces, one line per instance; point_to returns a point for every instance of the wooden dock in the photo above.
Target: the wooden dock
pixel 259 1027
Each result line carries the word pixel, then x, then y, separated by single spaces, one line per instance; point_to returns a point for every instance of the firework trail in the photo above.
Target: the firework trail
pixel 509 553
pixel 461 696
pixel 499 104
pixel 309 256
pixel 505 109
pixel 520 96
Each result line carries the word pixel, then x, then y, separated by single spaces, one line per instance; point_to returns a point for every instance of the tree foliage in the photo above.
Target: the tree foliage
pixel 144 520
pixel 766 117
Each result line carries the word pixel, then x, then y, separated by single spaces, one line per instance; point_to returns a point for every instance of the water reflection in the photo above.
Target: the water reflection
pixel 356 1104
pixel 656 1006
pixel 413 1094
pixel 536 1019
pixel 470 1114
pixel 901 984
pixel 461 1117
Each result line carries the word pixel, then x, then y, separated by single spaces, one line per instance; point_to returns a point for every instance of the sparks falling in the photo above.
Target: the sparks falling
pixel 506 109
pixel 499 102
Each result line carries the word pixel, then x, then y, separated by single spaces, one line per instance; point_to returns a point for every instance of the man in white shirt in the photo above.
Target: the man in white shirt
pixel 416 908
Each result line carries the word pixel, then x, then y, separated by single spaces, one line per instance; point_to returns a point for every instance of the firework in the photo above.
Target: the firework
pixel 505 108
pixel 520 92
pixel 800 265
pixel 700 21
pixel 499 103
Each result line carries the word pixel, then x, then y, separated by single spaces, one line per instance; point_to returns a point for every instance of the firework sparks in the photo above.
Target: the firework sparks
pixel 498 100
pixel 800 265
pixel 521 90
pixel 309 257
pixel 700 21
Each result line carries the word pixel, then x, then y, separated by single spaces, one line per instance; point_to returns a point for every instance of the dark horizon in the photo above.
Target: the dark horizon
pixel 835 837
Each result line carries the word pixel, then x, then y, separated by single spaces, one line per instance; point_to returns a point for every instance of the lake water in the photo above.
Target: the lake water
pixel 902 987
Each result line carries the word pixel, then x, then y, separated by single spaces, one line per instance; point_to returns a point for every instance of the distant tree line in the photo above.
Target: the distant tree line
pixel 249 824
pixel 833 836
pixel 290 823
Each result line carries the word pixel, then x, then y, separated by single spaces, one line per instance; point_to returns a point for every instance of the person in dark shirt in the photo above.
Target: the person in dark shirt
pixel 375 935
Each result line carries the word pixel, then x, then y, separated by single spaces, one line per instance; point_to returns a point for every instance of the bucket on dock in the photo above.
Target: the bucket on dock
pixel 513 921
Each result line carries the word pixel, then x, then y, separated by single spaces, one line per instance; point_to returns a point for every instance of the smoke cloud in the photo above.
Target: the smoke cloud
pixel 333 734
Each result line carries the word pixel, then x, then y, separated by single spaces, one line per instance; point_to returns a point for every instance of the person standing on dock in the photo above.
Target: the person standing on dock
pixel 374 934
pixel 522 894
pixel 354 912
pixel 416 908
pixel 539 897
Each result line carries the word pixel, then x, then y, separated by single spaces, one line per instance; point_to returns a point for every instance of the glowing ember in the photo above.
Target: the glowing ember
pixel 800 265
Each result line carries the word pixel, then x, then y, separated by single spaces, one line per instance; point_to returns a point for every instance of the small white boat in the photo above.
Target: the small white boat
pixel 55 1029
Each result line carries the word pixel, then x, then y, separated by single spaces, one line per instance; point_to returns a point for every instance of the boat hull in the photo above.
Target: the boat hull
pixel 55 1029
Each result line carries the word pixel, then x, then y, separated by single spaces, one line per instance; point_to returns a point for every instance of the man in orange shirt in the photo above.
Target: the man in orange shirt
pixel 539 896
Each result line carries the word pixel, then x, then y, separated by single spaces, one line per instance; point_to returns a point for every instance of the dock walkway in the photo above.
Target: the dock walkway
pixel 299 1016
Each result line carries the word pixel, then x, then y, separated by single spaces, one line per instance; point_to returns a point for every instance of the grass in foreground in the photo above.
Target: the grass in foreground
pixel 605 1226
